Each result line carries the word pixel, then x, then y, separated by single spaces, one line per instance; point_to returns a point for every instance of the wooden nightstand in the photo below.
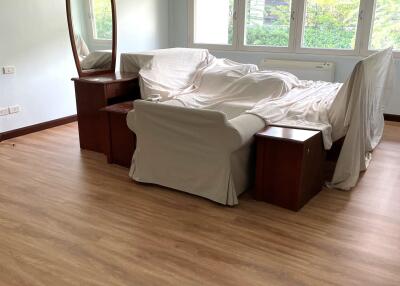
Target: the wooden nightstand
pixel 289 170
pixel 94 93
pixel 121 143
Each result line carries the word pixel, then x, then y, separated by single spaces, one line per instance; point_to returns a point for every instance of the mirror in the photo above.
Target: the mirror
pixel 92 28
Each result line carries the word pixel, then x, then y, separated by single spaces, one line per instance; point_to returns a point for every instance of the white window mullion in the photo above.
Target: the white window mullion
pixel 298 24
pixel 236 25
pixel 191 23
pixel 360 27
pixel 365 26
pixel 241 22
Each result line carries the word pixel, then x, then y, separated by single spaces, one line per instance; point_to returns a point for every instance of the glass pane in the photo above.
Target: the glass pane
pixel 386 29
pixel 268 23
pixel 213 22
pixel 102 13
pixel 331 24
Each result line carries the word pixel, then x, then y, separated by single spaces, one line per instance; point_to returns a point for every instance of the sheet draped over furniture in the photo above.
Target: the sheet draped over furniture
pixel 97 60
pixel 196 151
pixel 166 72
pixel 358 109
pixel 233 88
pixel 306 106
pixel 236 97
pixel 354 109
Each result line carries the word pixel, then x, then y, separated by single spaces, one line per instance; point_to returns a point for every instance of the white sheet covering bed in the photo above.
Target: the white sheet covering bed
pixel 166 72
pixel 198 156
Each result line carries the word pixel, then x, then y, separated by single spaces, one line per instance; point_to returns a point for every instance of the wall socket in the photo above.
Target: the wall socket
pixel 14 109
pixel 4 111
pixel 9 70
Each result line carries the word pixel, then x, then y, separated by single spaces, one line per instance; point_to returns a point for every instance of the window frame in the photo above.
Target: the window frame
pixel 292 36
pixel 301 9
pixel 192 44
pixel 366 16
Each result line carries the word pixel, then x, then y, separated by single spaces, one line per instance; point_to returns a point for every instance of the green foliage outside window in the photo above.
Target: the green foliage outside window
pixel 275 26
pixel 386 28
pixel 331 24
pixel 328 24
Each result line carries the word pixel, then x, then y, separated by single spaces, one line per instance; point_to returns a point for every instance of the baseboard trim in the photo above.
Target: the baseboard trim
pixel 69 119
pixel 37 127
pixel 392 117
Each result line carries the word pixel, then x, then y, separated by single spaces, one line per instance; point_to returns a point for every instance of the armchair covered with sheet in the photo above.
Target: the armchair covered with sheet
pixel 196 151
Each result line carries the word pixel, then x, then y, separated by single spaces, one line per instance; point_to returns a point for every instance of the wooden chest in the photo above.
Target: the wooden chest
pixel 289 170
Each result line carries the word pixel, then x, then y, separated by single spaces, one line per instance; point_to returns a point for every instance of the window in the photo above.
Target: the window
pixel 268 23
pixel 330 24
pixel 102 19
pixel 345 27
pixel 213 22
pixel 386 25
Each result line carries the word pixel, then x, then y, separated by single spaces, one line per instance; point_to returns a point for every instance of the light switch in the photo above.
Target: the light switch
pixel 9 70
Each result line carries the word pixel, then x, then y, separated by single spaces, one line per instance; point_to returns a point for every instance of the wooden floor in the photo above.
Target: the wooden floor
pixel 68 218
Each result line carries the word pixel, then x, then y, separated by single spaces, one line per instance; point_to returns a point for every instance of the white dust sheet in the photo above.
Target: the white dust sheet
pixel 353 109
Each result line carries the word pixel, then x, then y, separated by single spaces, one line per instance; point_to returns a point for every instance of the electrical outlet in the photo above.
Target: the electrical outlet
pixel 4 111
pixel 9 70
pixel 14 109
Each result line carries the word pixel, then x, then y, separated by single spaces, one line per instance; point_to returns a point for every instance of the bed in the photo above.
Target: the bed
pixel 198 139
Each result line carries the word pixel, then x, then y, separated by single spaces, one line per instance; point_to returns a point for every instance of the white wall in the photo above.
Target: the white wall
pixel 179 38
pixel 34 38
pixel 142 24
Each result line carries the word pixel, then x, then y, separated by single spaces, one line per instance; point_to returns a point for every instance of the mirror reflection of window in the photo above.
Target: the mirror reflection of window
pixel 93 32
pixel 101 19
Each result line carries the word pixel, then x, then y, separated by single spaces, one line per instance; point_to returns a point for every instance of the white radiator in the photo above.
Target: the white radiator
pixel 324 71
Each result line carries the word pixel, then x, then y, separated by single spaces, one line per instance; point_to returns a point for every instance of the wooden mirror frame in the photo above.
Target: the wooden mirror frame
pixel 81 72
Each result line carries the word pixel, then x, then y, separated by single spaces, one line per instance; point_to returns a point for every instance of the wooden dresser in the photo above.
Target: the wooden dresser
pixel 289 169
pixel 94 93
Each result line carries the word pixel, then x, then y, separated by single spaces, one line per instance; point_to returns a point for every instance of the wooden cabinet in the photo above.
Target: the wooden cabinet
pixel 122 141
pixel 94 93
pixel 289 170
